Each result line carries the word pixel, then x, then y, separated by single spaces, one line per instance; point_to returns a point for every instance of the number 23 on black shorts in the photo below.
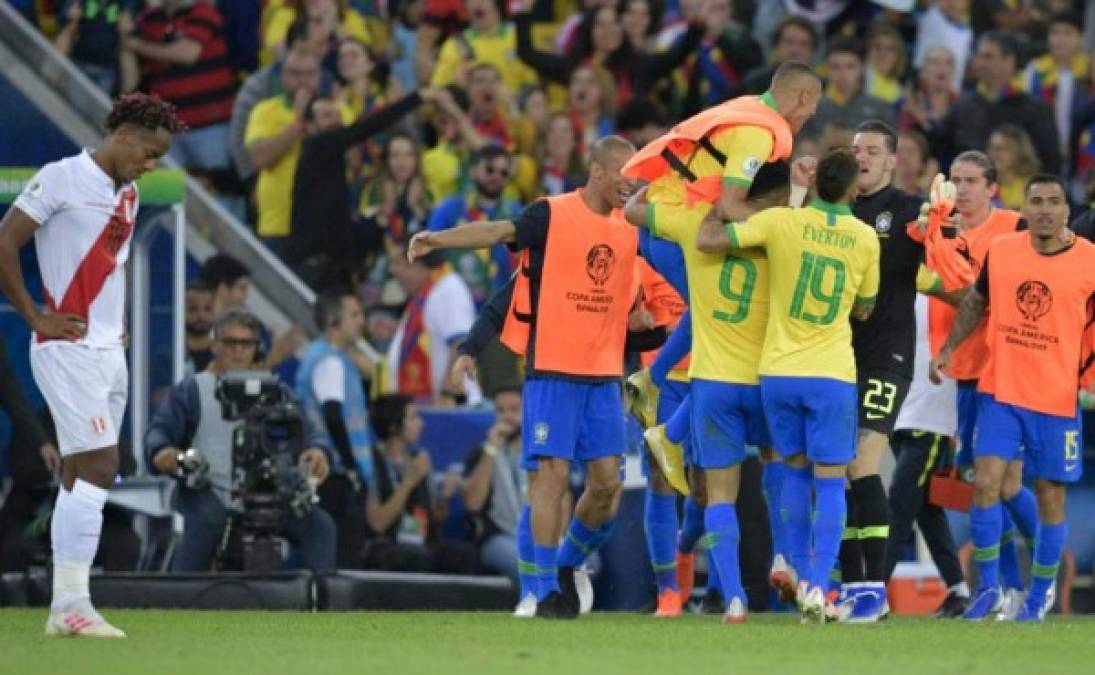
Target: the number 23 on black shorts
pixel 881 394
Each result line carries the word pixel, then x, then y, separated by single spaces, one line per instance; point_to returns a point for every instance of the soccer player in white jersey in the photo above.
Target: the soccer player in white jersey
pixel 81 211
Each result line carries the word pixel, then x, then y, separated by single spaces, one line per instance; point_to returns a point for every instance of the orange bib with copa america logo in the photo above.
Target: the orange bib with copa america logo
pixel 587 288
pixel 969 358
pixel 1038 315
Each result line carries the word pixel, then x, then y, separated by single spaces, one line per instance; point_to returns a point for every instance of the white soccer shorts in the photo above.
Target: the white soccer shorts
pixel 86 390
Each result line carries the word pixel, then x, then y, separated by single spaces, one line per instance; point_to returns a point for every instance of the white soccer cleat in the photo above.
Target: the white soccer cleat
pixel 526 609
pixel 584 585
pixel 814 608
pixel 1011 604
pixel 80 620
pixel 735 612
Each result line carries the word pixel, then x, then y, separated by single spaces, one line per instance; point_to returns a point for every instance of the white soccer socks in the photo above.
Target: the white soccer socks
pixel 76 527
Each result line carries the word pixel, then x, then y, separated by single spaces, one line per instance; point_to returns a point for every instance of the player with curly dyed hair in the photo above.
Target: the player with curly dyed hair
pixel 81 211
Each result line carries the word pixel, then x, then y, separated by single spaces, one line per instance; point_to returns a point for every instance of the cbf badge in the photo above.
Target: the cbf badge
pixel 883 222
pixel 540 433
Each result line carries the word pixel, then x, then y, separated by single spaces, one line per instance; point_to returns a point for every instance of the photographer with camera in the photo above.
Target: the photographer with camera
pixel 193 439
pixel 330 388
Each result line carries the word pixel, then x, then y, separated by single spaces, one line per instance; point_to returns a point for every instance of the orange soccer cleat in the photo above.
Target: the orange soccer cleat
pixel 669 604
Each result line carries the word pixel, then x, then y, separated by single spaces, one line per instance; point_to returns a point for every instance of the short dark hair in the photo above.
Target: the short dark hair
pixel 836 172
pixel 881 128
pixel 795 21
pixel 328 308
pixel 1046 179
pixel 222 269
pixel 980 159
pixel 845 45
pixel 237 317
pixel 1006 41
pixel 310 109
pixel 146 111
pixel 793 73
pixel 386 414
pixel 198 286
pixel 507 387
pixel 770 177
pixel 489 153
pixel 298 32
pixel 1069 17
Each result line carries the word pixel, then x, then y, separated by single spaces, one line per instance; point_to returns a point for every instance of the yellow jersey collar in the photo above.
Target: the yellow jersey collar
pixel 831 208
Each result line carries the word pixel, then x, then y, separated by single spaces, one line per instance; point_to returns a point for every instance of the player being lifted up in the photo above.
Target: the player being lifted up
pixel 1037 287
pixel 81 211
pixel 708 162
pixel 824 268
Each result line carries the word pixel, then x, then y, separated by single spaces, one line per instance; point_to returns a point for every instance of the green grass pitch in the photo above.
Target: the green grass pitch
pixel 218 643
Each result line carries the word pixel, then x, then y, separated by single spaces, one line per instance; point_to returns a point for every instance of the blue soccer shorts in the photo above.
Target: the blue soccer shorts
pixel 1050 446
pixel 575 421
pixel 815 415
pixel 725 417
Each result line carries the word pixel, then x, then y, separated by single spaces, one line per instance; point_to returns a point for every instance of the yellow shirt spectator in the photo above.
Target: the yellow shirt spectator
pixel 352 25
pixel 274 192
pixel 499 49
pixel 442 167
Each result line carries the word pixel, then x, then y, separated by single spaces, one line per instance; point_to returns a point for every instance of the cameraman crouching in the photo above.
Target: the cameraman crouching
pixel 191 417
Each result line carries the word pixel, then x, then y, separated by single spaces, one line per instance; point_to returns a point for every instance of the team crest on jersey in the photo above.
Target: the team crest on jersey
pixel 1034 300
pixel 98 425
pixel 750 166
pixel 883 222
pixel 600 263
pixel 540 433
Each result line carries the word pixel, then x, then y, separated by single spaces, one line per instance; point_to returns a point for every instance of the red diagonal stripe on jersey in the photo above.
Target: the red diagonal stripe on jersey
pixel 99 262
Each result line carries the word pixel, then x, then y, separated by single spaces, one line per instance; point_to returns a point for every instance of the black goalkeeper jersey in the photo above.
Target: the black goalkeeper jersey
pixel 887 339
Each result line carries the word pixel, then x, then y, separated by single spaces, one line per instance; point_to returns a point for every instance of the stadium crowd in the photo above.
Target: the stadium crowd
pixel 340 129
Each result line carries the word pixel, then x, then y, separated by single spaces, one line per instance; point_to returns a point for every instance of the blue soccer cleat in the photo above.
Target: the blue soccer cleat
pixel 988 601
pixel 1032 611
pixel 868 605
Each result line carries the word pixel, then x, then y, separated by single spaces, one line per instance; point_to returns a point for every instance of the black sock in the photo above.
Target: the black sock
pixel 873 512
pixel 851 554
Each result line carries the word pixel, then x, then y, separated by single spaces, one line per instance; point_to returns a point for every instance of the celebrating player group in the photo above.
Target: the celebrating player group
pixel 793 285
pixel 795 332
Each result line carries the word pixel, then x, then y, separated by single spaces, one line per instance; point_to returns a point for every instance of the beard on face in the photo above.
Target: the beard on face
pixel 489 191
pixel 197 328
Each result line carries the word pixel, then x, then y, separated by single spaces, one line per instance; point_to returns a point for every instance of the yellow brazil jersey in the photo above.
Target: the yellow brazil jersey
pixel 823 259
pixel 274 191
pixel 728 299
pixel 747 148
pixel 463 50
